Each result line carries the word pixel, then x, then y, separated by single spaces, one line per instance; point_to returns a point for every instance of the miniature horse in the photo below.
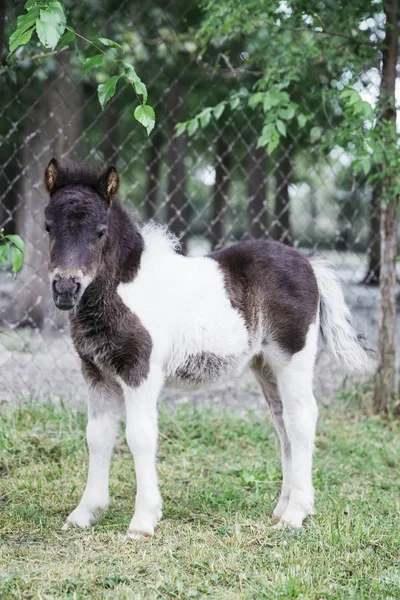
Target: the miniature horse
pixel 143 316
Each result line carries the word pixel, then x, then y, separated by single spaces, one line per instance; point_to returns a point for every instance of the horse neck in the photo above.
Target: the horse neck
pixel 125 245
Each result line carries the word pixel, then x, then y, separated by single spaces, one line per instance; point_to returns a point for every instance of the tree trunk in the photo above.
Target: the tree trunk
pixel 177 201
pixel 109 128
pixel 374 247
pixel 2 18
pixel 154 173
pixel 384 391
pixel 220 198
pixel 281 229
pixel 10 180
pixel 256 179
pixel 53 130
pixel 9 164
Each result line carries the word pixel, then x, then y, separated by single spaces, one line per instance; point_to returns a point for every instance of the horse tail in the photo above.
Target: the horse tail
pixel 344 342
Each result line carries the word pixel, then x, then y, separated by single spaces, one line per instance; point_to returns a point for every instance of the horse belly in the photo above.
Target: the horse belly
pixel 206 353
pixel 206 367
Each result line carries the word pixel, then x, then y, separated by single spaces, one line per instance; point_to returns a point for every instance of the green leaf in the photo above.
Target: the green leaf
pixel 134 78
pixel 110 43
pixel 106 90
pixel 270 138
pixel 25 28
pixel 287 113
pixel 27 20
pixel 193 126
pixel 281 127
pixel 205 117
pixel 302 120
pixel 262 141
pixel 17 258
pixel 235 103
pixel 255 99
pixel 51 25
pixel 218 110
pixel 66 39
pixel 366 164
pixel 20 41
pixel 275 98
pixel 145 115
pixel 273 144
pixel 16 240
pixel 141 89
pixel 93 62
pixel 3 254
pixel 180 128
pixel 29 4
pixel 130 72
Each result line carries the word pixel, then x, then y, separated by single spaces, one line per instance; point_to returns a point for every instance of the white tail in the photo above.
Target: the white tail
pixel 341 337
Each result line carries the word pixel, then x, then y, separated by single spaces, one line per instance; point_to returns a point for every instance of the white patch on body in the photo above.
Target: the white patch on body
pixel 184 305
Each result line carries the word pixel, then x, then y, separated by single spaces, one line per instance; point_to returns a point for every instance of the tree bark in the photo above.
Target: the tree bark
pixel 10 183
pixel 109 128
pixel 384 391
pixel 2 19
pixel 53 130
pixel 220 198
pixel 154 173
pixel 177 201
pixel 374 246
pixel 281 229
pixel 256 179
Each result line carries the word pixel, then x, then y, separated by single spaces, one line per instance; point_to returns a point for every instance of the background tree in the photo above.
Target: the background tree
pixel 328 49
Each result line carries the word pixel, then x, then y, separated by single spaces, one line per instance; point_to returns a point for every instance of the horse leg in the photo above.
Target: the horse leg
pixel 142 434
pixel 267 381
pixel 300 416
pixel 105 405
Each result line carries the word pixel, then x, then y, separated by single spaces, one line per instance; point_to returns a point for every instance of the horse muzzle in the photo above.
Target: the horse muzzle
pixel 66 291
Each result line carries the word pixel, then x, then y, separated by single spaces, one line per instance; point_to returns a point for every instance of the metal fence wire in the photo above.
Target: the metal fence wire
pixel 211 189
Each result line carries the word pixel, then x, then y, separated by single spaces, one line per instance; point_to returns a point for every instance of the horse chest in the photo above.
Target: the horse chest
pixel 120 345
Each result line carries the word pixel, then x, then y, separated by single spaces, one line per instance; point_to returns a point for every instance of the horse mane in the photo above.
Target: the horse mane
pixel 77 174
pixel 159 237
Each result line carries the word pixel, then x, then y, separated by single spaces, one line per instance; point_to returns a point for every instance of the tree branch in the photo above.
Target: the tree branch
pixel 33 58
pixel 345 36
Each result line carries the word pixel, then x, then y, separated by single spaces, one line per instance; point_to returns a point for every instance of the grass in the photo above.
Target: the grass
pixel 220 478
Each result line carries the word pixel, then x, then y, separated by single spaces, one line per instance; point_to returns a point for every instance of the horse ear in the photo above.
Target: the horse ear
pixel 50 175
pixel 108 183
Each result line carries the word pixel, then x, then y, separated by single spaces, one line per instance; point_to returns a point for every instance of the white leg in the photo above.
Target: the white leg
pixel 300 417
pixel 104 412
pixel 269 388
pixel 142 434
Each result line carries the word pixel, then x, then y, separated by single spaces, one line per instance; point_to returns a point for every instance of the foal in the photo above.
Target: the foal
pixel 143 316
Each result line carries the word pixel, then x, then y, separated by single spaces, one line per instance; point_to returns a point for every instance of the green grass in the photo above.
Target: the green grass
pixel 220 478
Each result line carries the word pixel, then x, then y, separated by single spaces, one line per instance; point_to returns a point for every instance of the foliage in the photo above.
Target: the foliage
pixel 48 19
pixel 14 244
pixel 311 61
pixel 220 477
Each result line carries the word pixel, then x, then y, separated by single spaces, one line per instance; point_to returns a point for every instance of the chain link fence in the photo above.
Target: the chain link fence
pixel 212 188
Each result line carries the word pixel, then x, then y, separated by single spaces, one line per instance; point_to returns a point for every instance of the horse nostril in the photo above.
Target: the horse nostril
pixel 55 289
pixel 66 287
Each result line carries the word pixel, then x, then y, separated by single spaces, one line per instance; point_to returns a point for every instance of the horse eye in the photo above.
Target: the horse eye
pixel 100 234
pixel 47 228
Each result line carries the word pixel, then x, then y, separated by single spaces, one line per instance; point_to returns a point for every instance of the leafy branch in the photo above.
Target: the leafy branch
pixel 13 243
pixel 278 108
pixel 48 20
